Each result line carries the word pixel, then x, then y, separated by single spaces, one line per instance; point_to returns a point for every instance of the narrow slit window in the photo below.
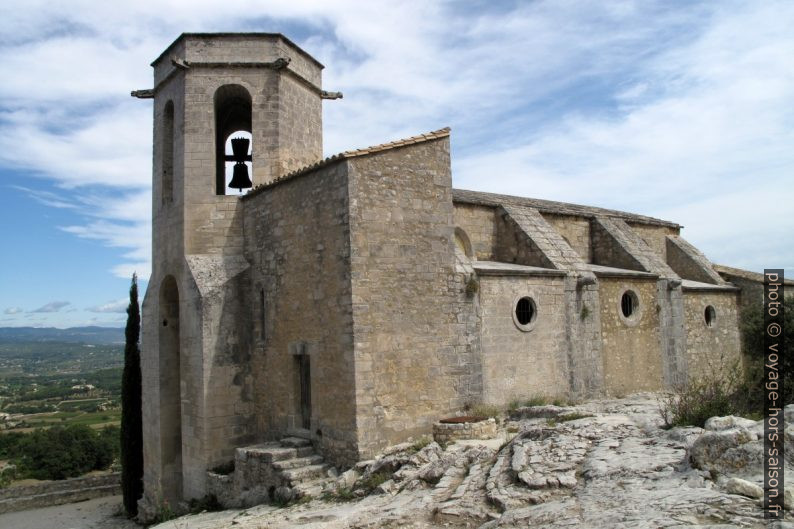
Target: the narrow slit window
pixel 167 181
pixel 262 333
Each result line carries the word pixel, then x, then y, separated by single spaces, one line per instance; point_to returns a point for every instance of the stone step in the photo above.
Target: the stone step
pixel 268 454
pixel 303 474
pixel 304 451
pixel 298 462
pixel 312 488
pixel 295 442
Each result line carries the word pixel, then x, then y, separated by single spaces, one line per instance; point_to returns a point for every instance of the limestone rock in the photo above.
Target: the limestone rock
pixel 788 414
pixel 686 435
pixel 728 422
pixel 283 494
pixel 744 488
pixel 727 451
pixel 347 479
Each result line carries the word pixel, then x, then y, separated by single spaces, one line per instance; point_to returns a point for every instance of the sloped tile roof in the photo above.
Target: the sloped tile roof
pixel 421 138
pixel 550 206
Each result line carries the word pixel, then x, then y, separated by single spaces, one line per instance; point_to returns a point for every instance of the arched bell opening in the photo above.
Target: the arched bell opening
pixel 170 391
pixel 233 140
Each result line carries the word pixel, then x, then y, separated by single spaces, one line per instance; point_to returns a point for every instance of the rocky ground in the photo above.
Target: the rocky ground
pixel 602 464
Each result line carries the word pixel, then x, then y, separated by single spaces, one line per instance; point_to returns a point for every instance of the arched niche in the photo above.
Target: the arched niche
pixel 170 390
pixel 463 242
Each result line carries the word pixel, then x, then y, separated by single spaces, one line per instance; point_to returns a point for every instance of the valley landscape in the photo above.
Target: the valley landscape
pixel 66 379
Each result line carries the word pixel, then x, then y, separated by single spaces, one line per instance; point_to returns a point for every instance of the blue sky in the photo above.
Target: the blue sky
pixel 680 110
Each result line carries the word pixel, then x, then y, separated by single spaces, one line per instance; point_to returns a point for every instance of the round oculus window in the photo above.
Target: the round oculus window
pixel 629 307
pixel 525 313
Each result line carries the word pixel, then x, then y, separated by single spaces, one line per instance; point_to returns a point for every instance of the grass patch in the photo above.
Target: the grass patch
pixel 485 410
pixel 374 480
pixel 418 445
pixel 164 513
pixel 541 400
pixel 342 495
pixel 573 416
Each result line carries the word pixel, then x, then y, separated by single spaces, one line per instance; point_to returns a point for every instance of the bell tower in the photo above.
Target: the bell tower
pixel 231 111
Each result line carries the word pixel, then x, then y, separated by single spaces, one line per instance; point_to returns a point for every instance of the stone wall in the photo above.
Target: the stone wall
pixel 654 236
pixel 576 231
pixel 519 364
pixel 300 250
pixel 444 433
pixel 479 224
pixel 608 251
pixel 631 349
pixel 515 244
pixel 413 325
pixel 59 492
pixel 711 349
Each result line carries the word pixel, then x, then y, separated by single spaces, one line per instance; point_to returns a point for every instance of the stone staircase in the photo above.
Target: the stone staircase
pixel 277 471
pixel 299 467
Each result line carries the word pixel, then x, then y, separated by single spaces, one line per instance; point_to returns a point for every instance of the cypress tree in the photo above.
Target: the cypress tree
pixel 131 422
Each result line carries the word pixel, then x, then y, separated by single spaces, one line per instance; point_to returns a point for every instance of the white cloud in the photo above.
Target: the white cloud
pixel 665 110
pixel 53 306
pixel 120 305
pixel 13 310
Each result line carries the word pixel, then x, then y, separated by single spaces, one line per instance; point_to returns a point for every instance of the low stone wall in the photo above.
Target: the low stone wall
pixel 450 432
pixel 59 492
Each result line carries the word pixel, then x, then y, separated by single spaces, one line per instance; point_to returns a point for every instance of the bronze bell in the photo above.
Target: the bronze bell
pixel 240 179
pixel 240 149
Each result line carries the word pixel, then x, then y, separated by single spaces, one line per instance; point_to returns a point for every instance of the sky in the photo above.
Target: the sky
pixel 678 110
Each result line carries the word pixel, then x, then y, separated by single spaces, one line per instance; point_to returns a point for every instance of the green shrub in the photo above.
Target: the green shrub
pixel 752 326
pixel 343 494
pixel 373 481
pixel 63 452
pixel 418 445
pixel 472 286
pixel 702 398
pixel 8 444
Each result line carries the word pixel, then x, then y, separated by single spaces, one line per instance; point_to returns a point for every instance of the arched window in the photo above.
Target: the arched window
pixel 232 122
pixel 167 153
pixel 710 316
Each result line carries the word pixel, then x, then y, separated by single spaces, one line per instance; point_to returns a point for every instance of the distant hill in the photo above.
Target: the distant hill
pixel 86 335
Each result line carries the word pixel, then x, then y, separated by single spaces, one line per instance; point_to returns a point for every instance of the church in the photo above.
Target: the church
pixel 352 301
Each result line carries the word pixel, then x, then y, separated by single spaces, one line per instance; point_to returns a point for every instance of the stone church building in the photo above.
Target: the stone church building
pixel 355 300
